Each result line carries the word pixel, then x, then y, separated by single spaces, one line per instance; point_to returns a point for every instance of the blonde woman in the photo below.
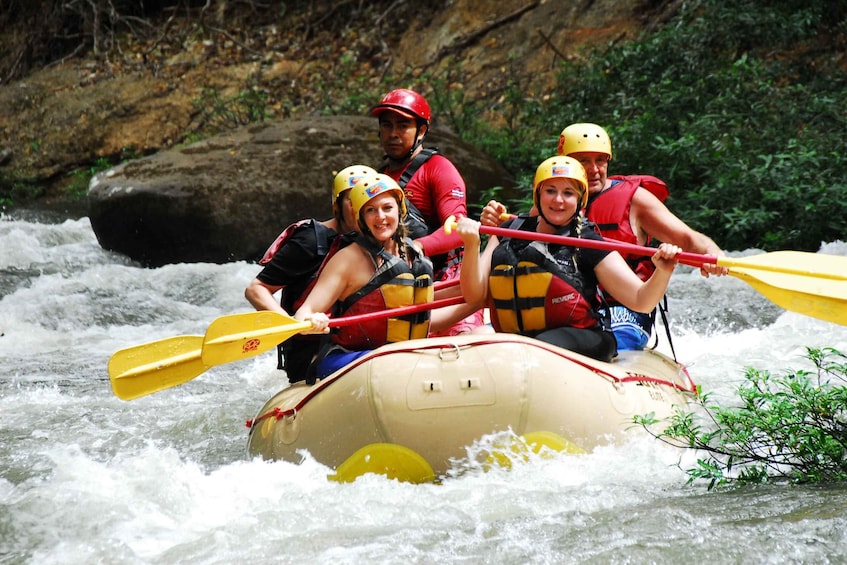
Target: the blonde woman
pixel 549 291
pixel 379 269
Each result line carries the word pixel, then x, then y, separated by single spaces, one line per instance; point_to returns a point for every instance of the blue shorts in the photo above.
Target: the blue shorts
pixel 632 329
pixel 337 359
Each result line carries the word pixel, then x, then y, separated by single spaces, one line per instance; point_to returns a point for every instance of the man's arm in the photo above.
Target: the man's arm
pixel 445 191
pixel 653 217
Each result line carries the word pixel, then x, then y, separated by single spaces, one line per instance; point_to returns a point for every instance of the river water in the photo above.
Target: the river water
pixel 88 478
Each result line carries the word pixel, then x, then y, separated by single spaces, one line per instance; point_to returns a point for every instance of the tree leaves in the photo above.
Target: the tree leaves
pixel 792 427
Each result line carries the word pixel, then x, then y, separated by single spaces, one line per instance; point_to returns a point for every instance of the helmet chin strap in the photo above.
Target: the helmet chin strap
pixel 557 227
pixel 418 142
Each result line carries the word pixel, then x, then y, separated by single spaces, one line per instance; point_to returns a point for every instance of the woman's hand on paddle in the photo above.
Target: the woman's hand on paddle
pixel 707 269
pixel 493 213
pixel 320 323
pixel 468 230
pixel 665 256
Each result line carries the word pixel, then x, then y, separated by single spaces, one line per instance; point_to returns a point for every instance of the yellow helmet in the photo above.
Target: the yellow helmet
pixel 560 167
pixel 371 187
pixel 577 138
pixel 349 177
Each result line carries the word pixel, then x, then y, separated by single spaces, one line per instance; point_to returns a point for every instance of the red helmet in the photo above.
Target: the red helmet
pixel 406 103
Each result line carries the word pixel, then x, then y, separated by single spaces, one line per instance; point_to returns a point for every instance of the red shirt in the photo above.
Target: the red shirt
pixel 438 190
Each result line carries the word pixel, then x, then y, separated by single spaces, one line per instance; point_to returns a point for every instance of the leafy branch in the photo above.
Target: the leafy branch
pixel 791 427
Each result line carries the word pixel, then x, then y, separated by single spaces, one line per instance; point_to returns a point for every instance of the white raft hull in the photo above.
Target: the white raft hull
pixel 433 398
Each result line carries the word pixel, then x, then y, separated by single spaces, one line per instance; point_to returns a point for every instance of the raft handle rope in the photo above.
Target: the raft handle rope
pixel 277 413
pixel 451 347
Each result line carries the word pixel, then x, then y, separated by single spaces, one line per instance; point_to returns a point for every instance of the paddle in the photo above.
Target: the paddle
pixel 808 283
pixel 239 336
pixel 151 367
pixel 144 369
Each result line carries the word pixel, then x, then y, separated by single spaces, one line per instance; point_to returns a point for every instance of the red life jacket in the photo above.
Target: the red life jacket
pixel 293 354
pixel 286 234
pixel 532 290
pixel 394 284
pixel 326 243
pixel 610 210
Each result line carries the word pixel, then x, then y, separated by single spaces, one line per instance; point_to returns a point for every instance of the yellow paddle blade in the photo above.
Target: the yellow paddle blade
pixel 811 265
pixel 807 283
pixel 389 459
pixel 822 298
pixel 144 369
pixel 240 336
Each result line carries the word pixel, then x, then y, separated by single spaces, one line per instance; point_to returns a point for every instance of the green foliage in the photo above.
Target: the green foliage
pixel 727 103
pixel 792 427
pixel 738 105
pixel 511 124
pixel 749 139
pixel 359 92
pixel 217 112
pixel 14 191
pixel 81 178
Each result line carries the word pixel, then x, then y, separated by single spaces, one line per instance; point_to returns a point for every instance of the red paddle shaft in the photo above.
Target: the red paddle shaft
pixel 692 259
pixel 392 312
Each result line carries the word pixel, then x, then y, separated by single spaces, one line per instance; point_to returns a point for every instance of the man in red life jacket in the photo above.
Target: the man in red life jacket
pixel 433 186
pixel 628 209
pixel 292 262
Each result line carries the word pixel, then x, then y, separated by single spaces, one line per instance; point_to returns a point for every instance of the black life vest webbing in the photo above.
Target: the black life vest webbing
pixel 418 160
pixel 414 218
pixel 663 310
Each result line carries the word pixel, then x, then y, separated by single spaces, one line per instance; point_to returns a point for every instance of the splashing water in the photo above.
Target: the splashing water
pixel 165 478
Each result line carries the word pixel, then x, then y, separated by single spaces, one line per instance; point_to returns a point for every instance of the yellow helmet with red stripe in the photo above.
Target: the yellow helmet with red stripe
pixel 560 167
pixel 372 186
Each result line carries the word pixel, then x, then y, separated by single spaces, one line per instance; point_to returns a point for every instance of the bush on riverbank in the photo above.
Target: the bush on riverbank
pixel 737 105
pixel 792 427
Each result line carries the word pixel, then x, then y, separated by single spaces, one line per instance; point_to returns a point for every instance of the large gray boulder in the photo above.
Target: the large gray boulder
pixel 226 198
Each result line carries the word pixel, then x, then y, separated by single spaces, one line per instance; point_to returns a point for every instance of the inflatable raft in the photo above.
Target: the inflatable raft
pixel 410 410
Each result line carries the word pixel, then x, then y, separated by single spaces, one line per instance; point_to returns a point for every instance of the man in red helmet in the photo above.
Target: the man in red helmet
pixel 433 186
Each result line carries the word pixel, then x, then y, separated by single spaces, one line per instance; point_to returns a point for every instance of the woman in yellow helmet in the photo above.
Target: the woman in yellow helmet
pixel 627 208
pixel 380 269
pixel 549 291
pixel 290 266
